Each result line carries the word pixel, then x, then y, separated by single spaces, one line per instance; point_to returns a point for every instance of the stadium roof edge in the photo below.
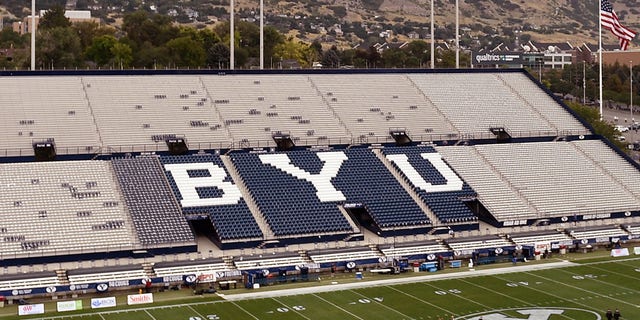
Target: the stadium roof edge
pixel 149 72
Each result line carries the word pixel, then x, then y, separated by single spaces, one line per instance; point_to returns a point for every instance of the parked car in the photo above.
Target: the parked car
pixel 622 128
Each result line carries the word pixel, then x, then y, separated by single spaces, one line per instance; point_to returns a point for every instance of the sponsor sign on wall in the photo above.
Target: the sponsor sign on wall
pixel 69 305
pixel 140 298
pixel 636 250
pixel 28 309
pixel 620 252
pixel 103 302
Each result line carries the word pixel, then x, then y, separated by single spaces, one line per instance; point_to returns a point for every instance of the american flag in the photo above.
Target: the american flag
pixel 611 22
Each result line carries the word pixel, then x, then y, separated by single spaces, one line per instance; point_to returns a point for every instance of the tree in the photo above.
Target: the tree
pixel 54 18
pixel 58 48
pixel 88 31
pixel 156 29
pixel 394 58
pixel 420 50
pixel 186 52
pixel 218 56
pixel 331 59
pixel 100 50
pixel 292 49
pixel 122 55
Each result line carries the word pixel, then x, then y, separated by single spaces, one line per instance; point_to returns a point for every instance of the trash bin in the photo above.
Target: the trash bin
pixel 1 302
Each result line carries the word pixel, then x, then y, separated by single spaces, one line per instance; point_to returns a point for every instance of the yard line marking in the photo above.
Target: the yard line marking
pixel 616 273
pixel 198 313
pixel 553 295
pixel 604 282
pixel 294 310
pixel 336 306
pixel 243 309
pixel 505 295
pixel 581 289
pixel 152 317
pixel 100 314
pixel 423 301
pixel 378 302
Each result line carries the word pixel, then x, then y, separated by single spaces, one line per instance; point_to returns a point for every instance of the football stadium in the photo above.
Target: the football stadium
pixel 143 182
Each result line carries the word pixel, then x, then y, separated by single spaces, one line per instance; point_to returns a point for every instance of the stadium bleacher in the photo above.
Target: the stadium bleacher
pixel 239 202
pixel 228 211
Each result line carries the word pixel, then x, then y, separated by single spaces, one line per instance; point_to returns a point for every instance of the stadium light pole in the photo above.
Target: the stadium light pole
pixel 584 83
pixel 261 34
pixel 33 35
pixel 232 41
pixel 457 35
pixel 433 59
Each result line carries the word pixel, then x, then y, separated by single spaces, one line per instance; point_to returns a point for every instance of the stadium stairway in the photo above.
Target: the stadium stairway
pixel 433 105
pixel 353 225
pixel 148 269
pixel 93 116
pixel 63 278
pixel 526 102
pixel 228 262
pixel 215 108
pixel 596 164
pixel 407 187
pixel 329 107
pixel 506 181
pixel 253 208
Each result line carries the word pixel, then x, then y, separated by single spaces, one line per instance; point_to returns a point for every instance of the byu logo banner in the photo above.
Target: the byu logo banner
pixel 454 183
pixel 187 185
pixel 321 181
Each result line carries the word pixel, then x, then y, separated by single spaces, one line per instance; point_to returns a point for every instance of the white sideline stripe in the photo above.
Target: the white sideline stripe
pixel 393 281
pixel 152 317
pixel 336 306
pixel 380 303
pixel 585 290
pixel 419 299
pixel 341 287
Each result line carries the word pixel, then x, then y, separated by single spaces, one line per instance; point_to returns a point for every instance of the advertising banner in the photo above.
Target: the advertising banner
pixel 103 302
pixel 28 309
pixel 140 298
pixel 69 305
pixel 620 252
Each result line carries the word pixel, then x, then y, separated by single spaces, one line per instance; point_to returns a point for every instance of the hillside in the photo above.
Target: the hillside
pixel 352 21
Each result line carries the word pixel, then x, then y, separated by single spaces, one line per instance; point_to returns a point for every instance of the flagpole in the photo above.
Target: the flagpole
pixel 600 53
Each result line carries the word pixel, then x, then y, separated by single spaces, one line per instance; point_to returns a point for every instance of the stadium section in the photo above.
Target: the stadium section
pixel 57 112
pixel 255 107
pixel 136 114
pixel 156 216
pixel 205 191
pixel 383 167
pixel 76 202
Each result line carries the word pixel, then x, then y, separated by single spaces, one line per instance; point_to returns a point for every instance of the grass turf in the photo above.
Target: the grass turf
pixel 580 291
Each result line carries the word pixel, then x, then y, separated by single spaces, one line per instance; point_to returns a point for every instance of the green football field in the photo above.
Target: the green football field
pixel 582 292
